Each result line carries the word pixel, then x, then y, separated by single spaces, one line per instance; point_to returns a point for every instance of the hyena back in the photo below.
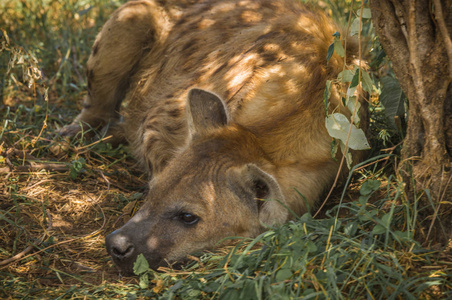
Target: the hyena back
pixel 222 103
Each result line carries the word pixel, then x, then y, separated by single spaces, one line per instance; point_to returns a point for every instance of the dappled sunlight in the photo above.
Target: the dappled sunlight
pixel 239 76
pixel 308 26
pixel 61 195
pixel 206 23
pixel 54 227
pixel 249 16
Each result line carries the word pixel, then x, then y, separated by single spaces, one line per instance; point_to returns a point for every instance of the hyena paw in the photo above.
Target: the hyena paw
pixel 70 130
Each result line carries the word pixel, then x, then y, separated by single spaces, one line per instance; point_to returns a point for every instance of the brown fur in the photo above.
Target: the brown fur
pixel 262 132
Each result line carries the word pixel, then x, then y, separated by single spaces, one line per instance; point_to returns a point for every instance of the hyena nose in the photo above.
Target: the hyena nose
pixel 119 246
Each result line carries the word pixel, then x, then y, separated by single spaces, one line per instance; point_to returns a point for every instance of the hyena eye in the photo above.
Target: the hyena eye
pixel 188 218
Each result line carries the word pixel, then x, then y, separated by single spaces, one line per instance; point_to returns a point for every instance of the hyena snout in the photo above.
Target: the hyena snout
pixel 122 249
pixel 125 244
pixel 135 238
pixel 119 246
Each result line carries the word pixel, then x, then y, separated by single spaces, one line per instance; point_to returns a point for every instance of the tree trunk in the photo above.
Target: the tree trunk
pixel 416 36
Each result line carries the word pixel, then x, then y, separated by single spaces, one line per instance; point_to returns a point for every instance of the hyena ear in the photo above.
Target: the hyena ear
pixel 267 193
pixel 205 111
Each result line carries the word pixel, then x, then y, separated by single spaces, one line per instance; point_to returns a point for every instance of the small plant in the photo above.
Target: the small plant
pixel 77 167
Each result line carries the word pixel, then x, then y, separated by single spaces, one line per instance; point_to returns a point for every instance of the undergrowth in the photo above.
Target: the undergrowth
pixel 59 198
pixel 362 250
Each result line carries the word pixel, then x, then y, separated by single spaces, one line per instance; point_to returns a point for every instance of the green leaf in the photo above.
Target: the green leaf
pixel 248 290
pixel 330 52
pixel 335 46
pixel 403 235
pixel 131 296
pixel 338 126
pixel 194 294
pixel 369 187
pixel 363 215
pixel 379 55
pixel 230 294
pixel 351 91
pixel 367 81
pixel 176 286
pixel 311 246
pixel 283 274
pixel 141 265
pixel 211 287
pixel 334 147
pixel 135 196
pixel 346 75
pixel 327 94
pixel 338 48
pixel 379 229
pixel 351 107
pixel 144 281
pixel 363 200
pixel 392 99
pixel 354 28
pixel 350 229
pixel 355 80
pixel 76 167
pixel 386 219
pixel 347 154
pixel 367 13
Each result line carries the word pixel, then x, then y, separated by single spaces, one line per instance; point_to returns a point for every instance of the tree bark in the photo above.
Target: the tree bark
pixel 416 36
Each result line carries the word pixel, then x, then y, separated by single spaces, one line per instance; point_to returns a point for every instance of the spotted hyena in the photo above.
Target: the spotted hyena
pixel 222 103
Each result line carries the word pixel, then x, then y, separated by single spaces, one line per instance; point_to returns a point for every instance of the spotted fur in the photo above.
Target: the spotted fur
pixel 254 124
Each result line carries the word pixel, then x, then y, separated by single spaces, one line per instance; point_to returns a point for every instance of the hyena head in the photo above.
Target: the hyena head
pixel 214 188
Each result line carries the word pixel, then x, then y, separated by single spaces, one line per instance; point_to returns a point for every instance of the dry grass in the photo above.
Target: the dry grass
pixel 58 199
pixel 53 227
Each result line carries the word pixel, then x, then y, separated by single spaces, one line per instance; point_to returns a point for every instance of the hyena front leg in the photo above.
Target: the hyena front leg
pixel 124 39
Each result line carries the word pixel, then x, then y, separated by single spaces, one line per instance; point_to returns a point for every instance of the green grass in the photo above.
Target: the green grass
pixel 368 253
pixel 362 247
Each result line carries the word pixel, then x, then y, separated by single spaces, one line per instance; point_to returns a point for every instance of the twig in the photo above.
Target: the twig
pixel 20 153
pixel 57 167
pixel 16 257
pixel 43 166
pixel 106 180
pixel 94 143
pixel 27 250
pixel 33 166
pixel 374 162
pixel 36 184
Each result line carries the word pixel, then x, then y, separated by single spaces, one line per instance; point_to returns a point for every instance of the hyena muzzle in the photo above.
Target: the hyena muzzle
pixel 222 103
